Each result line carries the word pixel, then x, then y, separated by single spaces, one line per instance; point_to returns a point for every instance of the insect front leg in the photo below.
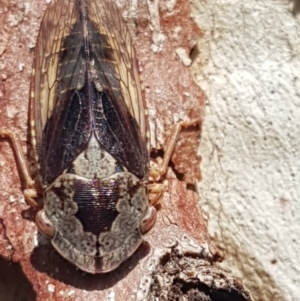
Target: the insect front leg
pixel 30 192
pixel 157 172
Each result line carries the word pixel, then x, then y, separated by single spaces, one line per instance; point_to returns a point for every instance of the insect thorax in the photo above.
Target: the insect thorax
pixel 96 207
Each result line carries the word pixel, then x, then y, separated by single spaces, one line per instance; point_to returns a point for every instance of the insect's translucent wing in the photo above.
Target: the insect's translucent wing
pixel 56 25
pixel 56 72
pixel 109 22
pixel 86 80
pixel 115 72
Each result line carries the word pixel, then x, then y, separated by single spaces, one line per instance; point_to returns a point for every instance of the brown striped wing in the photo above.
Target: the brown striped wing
pixel 111 24
pixel 85 80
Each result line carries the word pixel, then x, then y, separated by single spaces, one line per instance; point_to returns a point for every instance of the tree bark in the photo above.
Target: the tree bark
pixel 178 247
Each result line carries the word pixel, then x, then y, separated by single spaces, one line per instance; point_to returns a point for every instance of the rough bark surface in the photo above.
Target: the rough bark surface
pixel 30 269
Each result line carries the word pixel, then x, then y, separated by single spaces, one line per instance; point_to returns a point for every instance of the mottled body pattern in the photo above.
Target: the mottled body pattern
pixel 89 133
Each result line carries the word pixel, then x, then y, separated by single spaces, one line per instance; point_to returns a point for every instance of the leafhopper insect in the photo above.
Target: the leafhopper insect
pixel 89 136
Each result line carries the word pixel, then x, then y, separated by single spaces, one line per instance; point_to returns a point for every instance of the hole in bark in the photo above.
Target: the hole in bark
pixel 165 258
pixel 194 52
pixel 190 186
pixel 157 154
pixel 160 154
pixel 182 276
pixel 180 176
pixel 296 8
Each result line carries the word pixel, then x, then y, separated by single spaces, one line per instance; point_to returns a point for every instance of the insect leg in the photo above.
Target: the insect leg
pixel 156 173
pixel 30 192
pixel 156 189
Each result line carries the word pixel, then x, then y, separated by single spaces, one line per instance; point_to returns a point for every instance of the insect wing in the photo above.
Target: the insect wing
pixel 85 79
pixel 115 68
pixel 109 21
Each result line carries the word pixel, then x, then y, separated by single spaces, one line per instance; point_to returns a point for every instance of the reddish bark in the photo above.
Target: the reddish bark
pixel 171 94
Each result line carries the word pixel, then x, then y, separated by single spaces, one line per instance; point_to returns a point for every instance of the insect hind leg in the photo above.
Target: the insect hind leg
pixel 30 192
